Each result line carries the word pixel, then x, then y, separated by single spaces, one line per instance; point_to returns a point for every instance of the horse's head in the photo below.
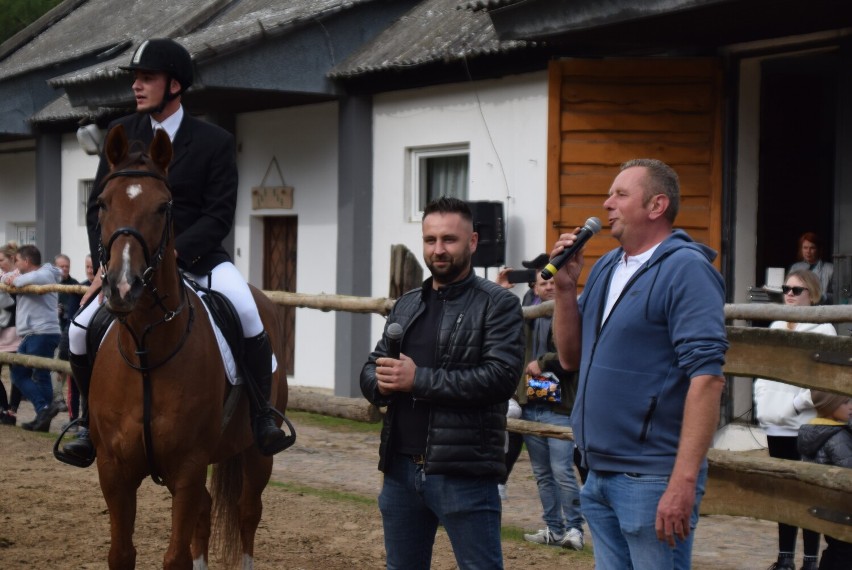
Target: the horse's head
pixel 135 217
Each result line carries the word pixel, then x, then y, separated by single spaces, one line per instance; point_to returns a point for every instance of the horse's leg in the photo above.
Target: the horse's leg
pixel 188 492
pixel 119 490
pixel 201 538
pixel 256 471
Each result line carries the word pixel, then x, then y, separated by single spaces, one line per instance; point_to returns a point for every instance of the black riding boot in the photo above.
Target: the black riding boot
pixel 257 358
pixel 81 448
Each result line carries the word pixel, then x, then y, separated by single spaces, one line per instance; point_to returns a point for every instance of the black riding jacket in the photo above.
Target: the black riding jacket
pixel 479 357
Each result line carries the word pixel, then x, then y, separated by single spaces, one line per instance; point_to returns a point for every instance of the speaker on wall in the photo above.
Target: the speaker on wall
pixel 488 223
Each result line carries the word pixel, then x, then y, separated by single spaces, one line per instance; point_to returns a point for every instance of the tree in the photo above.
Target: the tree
pixel 15 15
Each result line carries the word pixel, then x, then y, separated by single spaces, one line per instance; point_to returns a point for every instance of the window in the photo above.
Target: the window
pixel 25 234
pixel 437 171
pixel 84 189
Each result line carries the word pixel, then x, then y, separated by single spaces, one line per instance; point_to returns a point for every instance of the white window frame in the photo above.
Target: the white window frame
pixel 416 178
pixel 84 190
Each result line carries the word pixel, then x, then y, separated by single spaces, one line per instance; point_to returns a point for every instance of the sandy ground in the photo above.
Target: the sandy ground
pixel 320 514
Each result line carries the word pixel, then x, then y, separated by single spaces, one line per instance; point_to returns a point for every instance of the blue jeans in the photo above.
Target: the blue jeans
pixel 413 504
pixel 34 383
pixel 621 510
pixel 552 463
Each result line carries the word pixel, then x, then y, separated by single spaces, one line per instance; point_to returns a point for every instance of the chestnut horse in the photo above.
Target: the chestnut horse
pixel 159 387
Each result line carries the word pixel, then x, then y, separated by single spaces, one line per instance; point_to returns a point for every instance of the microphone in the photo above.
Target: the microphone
pixel 394 334
pixel 593 226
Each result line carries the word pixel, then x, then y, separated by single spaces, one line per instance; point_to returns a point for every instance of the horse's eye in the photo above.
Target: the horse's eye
pixel 101 205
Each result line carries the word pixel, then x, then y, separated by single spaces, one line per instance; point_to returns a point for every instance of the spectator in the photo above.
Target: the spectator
pixel 68 303
pixel 546 393
pixel 827 439
pixel 515 441
pixel 782 409
pixel 77 403
pixel 442 442
pixel 37 320
pixel 649 336
pixel 810 257
pixel 9 339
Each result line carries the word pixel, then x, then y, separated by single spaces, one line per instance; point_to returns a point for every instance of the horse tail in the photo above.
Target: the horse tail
pixel 225 488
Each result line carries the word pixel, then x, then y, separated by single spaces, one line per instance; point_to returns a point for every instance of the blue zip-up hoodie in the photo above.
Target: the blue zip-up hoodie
pixel 667 327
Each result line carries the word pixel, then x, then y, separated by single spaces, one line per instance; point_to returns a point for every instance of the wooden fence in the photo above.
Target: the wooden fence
pixel 741 483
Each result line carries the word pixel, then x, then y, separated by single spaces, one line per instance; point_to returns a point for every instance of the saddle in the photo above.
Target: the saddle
pixel 221 309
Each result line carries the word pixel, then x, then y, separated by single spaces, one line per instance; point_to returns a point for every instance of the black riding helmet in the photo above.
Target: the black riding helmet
pixel 167 56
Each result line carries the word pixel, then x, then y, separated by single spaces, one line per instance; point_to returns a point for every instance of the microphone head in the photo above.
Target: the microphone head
pixel 394 331
pixel 593 224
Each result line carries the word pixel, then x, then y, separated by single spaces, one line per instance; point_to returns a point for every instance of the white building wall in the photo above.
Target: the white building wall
pixel 505 123
pixel 17 189
pixel 76 167
pixel 304 142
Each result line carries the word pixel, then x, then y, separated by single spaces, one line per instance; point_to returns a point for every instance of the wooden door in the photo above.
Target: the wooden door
pixel 605 112
pixel 279 274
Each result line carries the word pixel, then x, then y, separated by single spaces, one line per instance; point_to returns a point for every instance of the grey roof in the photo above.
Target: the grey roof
pixel 61 110
pixel 247 23
pixel 105 26
pixel 435 30
pixel 486 4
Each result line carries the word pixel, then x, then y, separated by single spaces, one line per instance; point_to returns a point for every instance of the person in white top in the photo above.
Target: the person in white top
pixel 783 408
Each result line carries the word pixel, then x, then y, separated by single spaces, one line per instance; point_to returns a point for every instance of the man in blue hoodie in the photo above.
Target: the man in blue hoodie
pixel 648 336
pixel 37 321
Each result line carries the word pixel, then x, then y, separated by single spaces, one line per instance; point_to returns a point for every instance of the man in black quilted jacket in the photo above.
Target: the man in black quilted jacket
pixel 446 394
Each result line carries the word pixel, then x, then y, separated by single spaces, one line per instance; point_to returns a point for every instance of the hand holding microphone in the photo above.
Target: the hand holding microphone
pixel 592 226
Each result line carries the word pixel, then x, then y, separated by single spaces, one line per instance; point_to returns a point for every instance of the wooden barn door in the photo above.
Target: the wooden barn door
pixel 279 274
pixel 605 112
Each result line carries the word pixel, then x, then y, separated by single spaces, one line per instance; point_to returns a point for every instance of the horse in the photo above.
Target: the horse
pixel 158 390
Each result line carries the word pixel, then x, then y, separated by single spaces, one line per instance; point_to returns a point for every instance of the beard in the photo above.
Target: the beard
pixel 458 267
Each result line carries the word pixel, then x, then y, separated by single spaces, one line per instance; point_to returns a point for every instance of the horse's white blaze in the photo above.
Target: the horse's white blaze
pixel 199 563
pixel 133 190
pixel 248 562
pixel 123 283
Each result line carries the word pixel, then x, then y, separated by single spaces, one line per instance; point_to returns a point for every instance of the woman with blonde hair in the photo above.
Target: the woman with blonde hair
pixel 783 408
pixel 9 339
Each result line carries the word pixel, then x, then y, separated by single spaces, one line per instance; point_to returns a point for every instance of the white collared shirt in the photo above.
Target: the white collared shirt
pixel 627 266
pixel 170 125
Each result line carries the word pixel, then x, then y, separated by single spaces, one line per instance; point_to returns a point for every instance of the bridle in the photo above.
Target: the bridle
pixel 152 265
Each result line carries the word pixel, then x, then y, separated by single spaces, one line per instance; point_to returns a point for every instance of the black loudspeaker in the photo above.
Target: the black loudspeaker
pixel 488 223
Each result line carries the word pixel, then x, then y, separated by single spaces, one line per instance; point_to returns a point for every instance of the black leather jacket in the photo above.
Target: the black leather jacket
pixel 480 354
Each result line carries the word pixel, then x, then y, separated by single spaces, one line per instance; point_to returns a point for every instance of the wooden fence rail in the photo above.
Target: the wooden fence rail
pixel 741 483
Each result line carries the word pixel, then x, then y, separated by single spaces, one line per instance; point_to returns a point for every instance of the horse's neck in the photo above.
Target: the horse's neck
pixel 164 297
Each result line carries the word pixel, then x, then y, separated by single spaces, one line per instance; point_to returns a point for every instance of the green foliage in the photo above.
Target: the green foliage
pixel 15 15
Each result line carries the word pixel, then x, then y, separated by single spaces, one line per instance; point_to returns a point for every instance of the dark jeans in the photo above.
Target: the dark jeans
pixel 414 503
pixel 34 383
pixel 785 448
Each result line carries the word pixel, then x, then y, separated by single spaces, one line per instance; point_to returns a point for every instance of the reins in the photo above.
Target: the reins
pixel 142 353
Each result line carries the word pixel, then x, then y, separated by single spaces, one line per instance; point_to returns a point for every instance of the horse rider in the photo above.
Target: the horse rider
pixel 203 181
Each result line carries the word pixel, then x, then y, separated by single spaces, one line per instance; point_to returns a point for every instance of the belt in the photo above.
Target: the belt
pixel 419 459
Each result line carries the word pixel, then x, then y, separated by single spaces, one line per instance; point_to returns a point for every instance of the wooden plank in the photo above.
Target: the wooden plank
pixel 616 153
pixel 574 118
pixel 686 98
pixel 778 490
pixel 638 67
pixel 789 357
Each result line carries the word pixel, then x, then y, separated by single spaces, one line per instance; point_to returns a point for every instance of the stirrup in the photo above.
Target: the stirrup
pixel 279 446
pixel 68 458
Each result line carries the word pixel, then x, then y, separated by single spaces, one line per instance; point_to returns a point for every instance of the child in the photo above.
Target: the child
pixel 827 439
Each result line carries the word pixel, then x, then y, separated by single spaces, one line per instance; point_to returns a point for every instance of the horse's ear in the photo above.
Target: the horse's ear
pixel 161 150
pixel 116 145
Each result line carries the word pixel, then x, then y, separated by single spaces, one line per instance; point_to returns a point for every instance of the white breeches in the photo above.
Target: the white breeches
pixel 225 278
